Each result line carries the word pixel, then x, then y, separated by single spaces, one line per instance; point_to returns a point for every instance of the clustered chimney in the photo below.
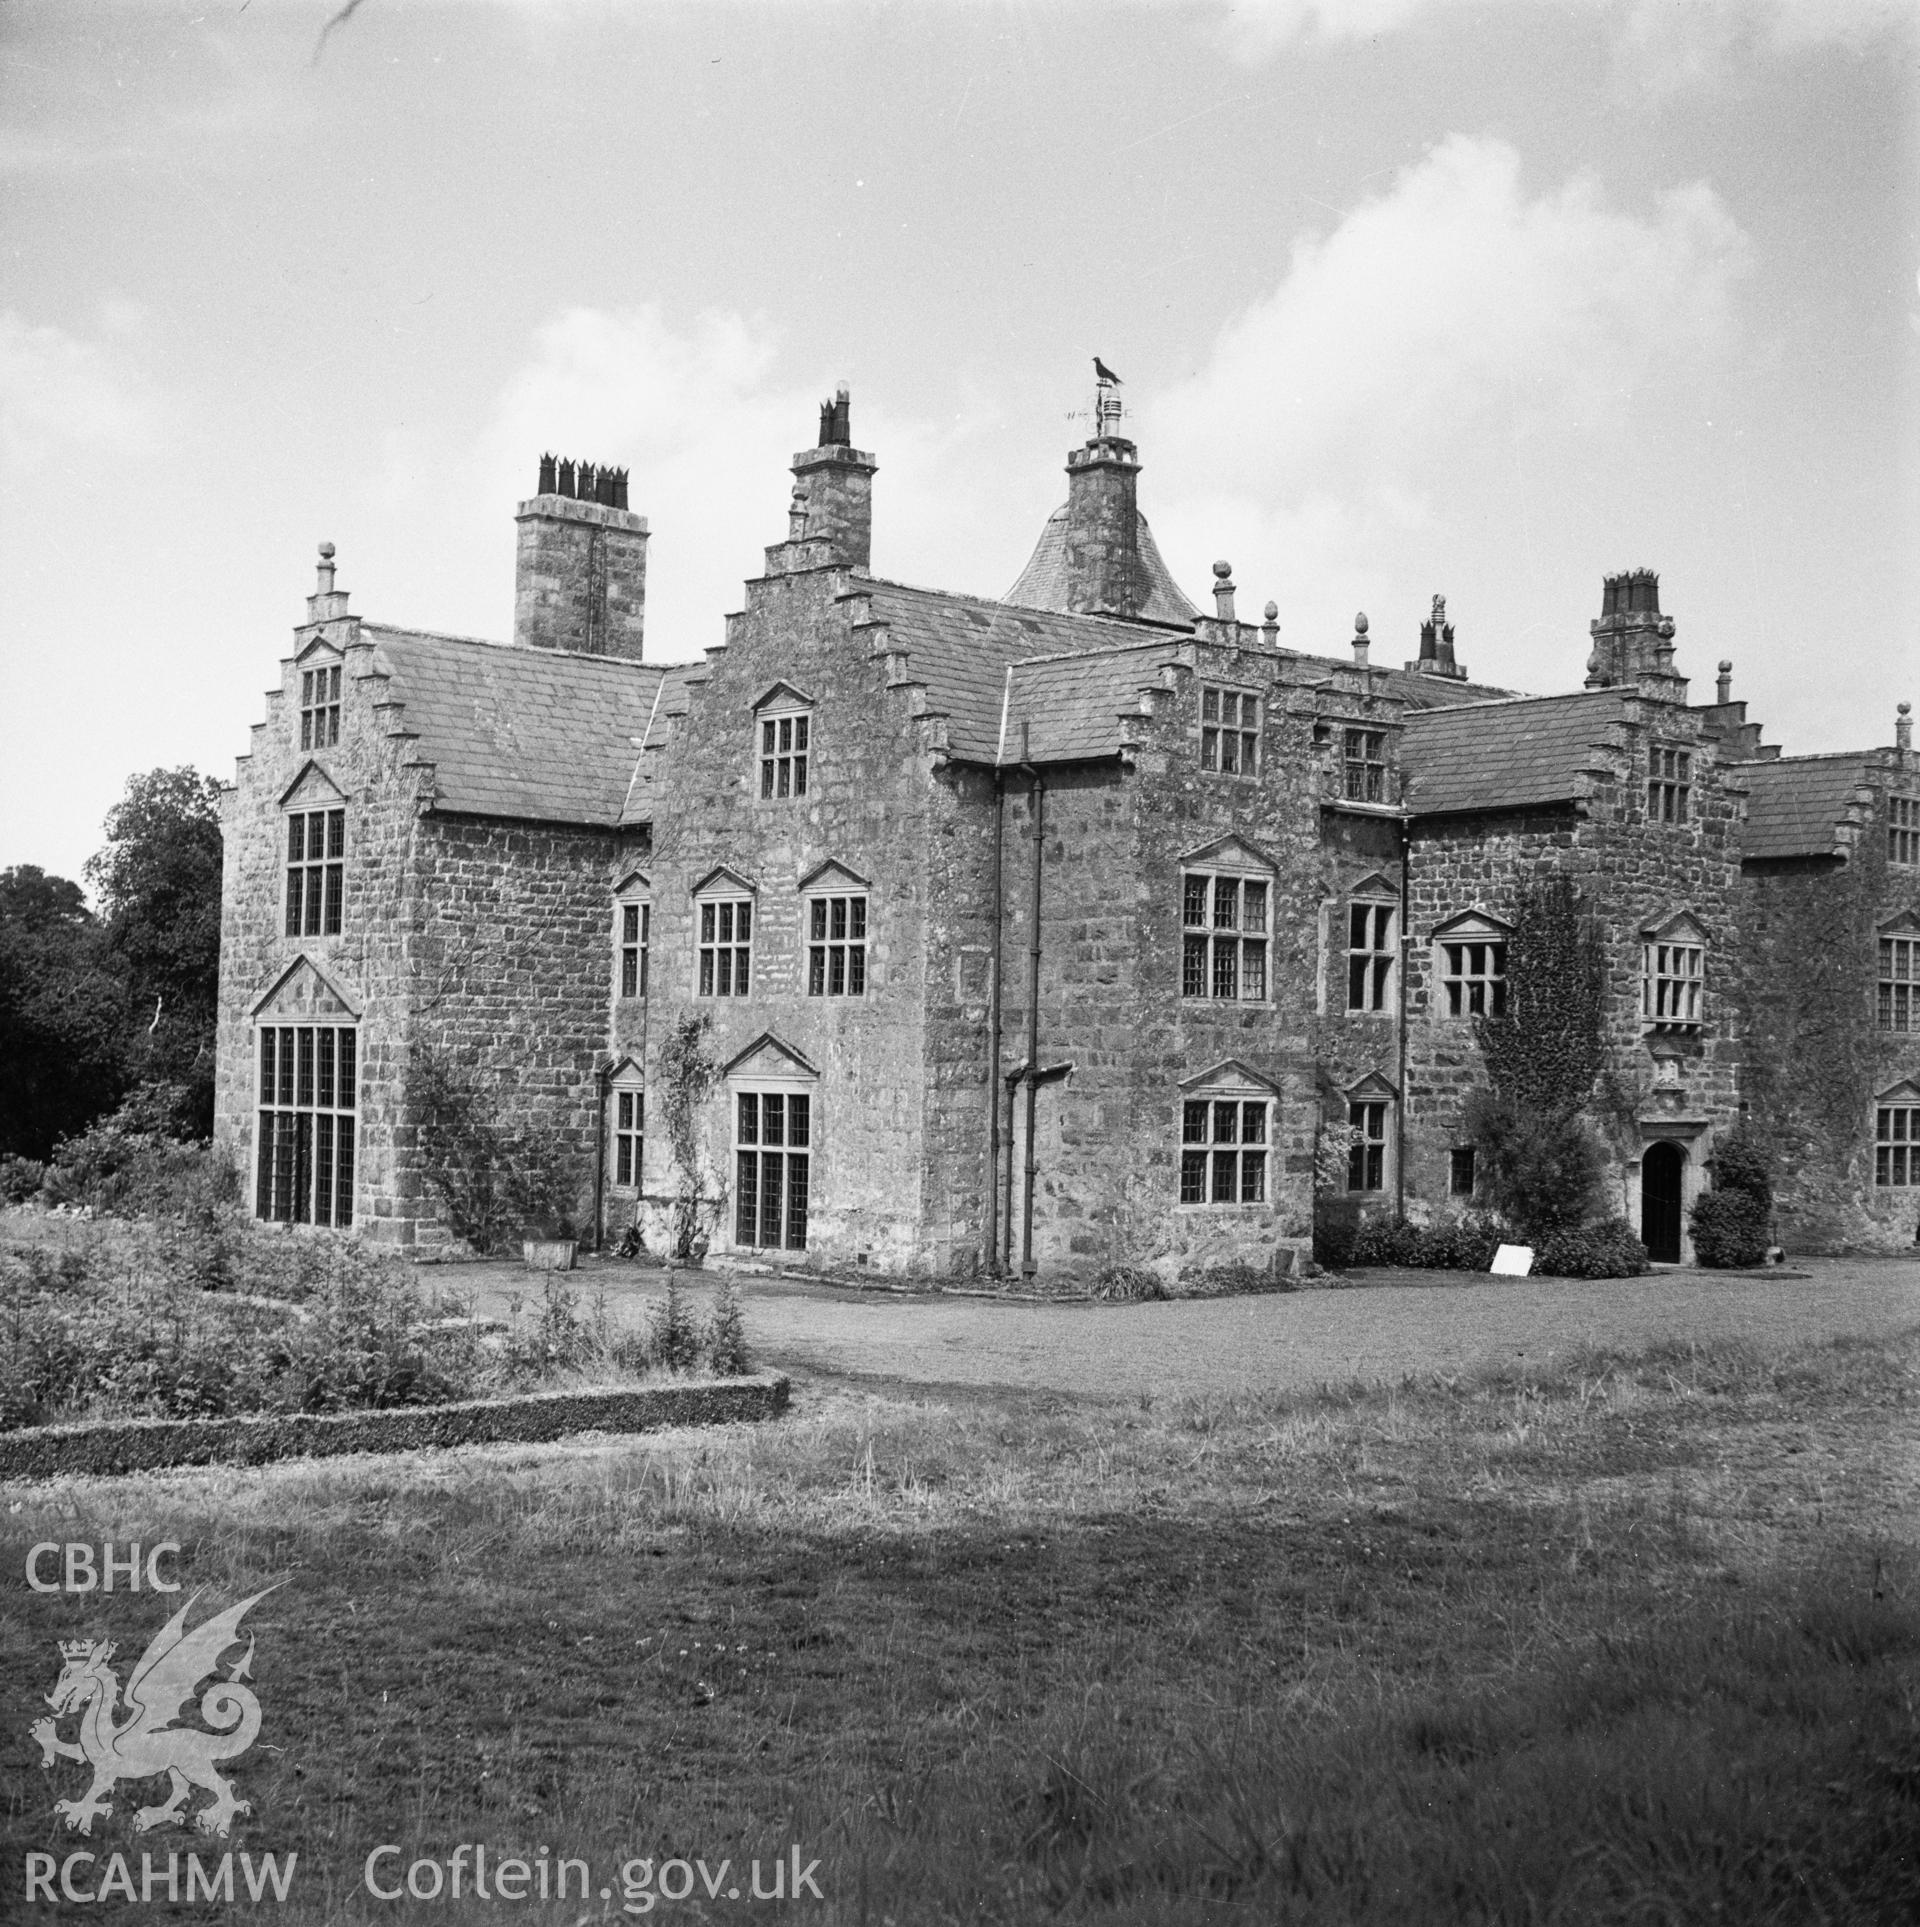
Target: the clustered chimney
pixel 1436 646
pixel 832 505
pixel 1105 573
pixel 1632 640
pixel 581 577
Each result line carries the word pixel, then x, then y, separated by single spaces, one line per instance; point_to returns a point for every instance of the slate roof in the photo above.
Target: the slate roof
pixel 1798 803
pixel 961 648
pixel 532 733
pixel 1073 705
pixel 1504 755
pixel 1043 582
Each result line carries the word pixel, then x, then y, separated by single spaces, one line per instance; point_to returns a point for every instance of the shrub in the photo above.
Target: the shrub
pixel 727 1336
pixel 20 1179
pixel 1544 1169
pixel 1729 1228
pixel 1608 1249
pixel 1127 1284
pixel 1454 1244
pixel 1740 1164
pixel 673 1338
pixel 130 1164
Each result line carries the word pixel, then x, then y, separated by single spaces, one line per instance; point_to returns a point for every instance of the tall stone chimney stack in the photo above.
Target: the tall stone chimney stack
pixel 580 582
pixel 1633 641
pixel 833 490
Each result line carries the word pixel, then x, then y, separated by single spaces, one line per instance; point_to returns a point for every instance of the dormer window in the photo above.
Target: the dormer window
pixel 1364 759
pixel 320 706
pixel 1229 731
pixel 784 751
pixel 316 872
pixel 1669 784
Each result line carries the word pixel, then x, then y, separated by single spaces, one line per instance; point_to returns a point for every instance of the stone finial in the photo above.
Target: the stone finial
pixel 1903 727
pixel 1360 640
pixel 1223 591
pixel 1270 625
pixel 324 583
pixel 1723 686
pixel 797 513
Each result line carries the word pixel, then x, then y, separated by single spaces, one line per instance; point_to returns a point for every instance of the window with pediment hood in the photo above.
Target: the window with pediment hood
pixel 307 1077
pixel 723 911
pixel 629 1122
pixel 1227 1120
pixel 1226 919
pixel 834 916
pixel 315 873
pixel 1896 1137
pixel 783 738
pixel 1673 973
pixel 772 1090
pixel 1470 965
pixel 1373 945
pixel 1370 1108
pixel 1898 1003
pixel 319 699
pixel 632 934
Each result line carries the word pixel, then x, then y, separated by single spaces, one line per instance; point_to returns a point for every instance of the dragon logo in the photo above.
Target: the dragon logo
pixel 147 1742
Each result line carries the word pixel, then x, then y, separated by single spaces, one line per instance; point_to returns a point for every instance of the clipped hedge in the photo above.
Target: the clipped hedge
pixel 1608 1249
pixel 1730 1229
pixel 108 1446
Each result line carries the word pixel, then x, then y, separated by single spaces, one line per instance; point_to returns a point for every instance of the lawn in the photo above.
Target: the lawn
pixel 1637 1641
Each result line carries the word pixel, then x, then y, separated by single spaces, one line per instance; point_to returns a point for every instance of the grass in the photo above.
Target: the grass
pixel 1634 1641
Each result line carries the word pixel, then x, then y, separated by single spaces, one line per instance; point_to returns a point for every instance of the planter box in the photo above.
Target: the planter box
pixel 549 1254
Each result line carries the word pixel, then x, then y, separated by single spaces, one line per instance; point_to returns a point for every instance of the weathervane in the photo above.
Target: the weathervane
pixel 1108 409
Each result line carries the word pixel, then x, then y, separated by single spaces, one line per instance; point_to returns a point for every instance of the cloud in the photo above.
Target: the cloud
pixel 1696 33
pixel 63 395
pixel 1443 339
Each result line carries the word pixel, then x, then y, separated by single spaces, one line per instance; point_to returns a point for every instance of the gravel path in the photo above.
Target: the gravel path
pixel 1292 1342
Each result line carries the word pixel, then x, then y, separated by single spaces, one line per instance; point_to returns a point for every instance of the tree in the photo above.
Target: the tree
pixel 158 882
pixel 62 1014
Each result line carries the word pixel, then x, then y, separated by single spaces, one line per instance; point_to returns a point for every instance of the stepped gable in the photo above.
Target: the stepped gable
pixel 961 647
pixel 1043 583
pixel 1801 805
pixel 535 734
pixel 1505 755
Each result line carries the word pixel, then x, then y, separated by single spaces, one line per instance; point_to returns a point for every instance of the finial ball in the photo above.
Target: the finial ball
pixel 1726 665
pixel 1223 570
pixel 1272 611
pixel 326 551
pixel 1905 709
pixel 1360 623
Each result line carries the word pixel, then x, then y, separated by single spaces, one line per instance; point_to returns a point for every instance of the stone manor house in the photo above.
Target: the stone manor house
pixel 1039 933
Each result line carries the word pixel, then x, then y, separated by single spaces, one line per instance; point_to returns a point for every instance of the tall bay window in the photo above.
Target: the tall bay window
pixel 305 1140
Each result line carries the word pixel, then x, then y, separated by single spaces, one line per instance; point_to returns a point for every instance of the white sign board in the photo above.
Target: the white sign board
pixel 1512 1261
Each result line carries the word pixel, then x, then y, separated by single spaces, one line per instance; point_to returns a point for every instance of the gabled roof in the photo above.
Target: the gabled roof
pixel 1504 755
pixel 518 732
pixel 1043 582
pixel 1798 804
pixel 961 647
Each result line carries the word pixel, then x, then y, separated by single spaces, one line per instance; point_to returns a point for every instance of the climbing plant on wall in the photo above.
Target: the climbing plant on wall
pixel 1543 1055
pixel 687 1075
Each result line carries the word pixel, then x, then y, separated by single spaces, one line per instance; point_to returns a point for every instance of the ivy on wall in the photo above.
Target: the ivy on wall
pixel 687 1074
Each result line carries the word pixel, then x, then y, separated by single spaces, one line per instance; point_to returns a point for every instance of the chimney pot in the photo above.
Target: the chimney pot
pixel 549 479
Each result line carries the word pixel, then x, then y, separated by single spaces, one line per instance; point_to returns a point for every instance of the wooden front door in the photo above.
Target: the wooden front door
pixel 1660 1173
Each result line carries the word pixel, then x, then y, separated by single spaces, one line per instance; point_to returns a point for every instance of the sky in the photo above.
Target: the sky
pixel 1487 298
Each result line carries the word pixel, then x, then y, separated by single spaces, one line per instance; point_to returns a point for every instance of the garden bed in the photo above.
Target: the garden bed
pixel 106 1446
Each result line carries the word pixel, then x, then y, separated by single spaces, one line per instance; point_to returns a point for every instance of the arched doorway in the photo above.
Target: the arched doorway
pixel 1660 1189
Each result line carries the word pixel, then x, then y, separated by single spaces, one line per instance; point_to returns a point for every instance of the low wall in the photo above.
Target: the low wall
pixel 137 1445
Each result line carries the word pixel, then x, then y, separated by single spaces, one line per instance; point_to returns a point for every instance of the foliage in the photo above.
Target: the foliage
pixel 158 883
pixel 673 1340
pixel 63 1014
pixel 1127 1284
pixel 1741 1164
pixel 1544 1054
pixel 134 1163
pixel 20 1179
pixel 727 1335
pixel 493 1181
pixel 1609 1249
pixel 1332 1150
pixel 687 1074
pixel 1466 1243
pixel 1731 1229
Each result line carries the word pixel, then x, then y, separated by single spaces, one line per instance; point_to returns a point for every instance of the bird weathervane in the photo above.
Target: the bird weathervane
pixel 1108 408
